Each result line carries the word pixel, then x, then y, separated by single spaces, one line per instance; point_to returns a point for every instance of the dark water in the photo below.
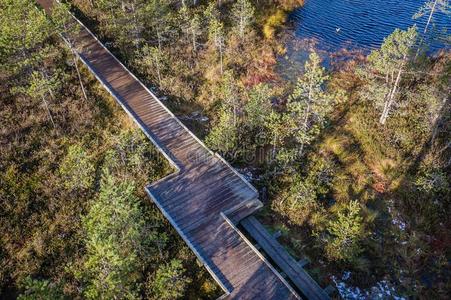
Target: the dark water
pixel 362 23
pixel 333 25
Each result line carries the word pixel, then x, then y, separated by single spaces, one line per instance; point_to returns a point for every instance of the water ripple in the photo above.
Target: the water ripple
pixel 362 23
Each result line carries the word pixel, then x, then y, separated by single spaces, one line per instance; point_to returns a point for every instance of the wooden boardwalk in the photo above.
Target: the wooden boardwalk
pixel 293 269
pixel 205 197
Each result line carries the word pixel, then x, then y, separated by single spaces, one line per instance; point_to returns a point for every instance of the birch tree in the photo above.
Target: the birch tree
pixel 429 9
pixel 217 38
pixel 191 26
pixel 41 87
pixel 216 34
pixel 66 26
pixel 386 68
pixel 152 61
pixel 242 15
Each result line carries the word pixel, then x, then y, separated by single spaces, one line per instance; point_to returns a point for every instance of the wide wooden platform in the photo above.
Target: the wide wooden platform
pixel 204 197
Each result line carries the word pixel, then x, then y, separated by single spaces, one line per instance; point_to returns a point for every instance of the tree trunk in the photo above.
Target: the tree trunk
pixel 305 126
pixel 48 111
pixel 426 28
pixel 241 27
pixel 430 16
pixel 194 39
pixel 274 146
pixel 135 25
pixel 157 66
pixel 79 75
pixel 159 38
pixel 220 57
pixel 391 98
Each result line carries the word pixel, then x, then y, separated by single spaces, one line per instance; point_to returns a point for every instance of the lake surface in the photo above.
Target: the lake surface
pixel 333 25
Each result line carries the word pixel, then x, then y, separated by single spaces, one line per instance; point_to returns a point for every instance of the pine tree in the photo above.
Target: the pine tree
pixel 66 26
pixel 130 156
pixel 308 105
pixel 256 110
pixel 300 201
pixel 156 15
pixel 430 8
pixel 223 137
pixel 169 282
pixel 153 61
pixel 277 133
pixel 40 290
pixel 115 233
pixel 23 31
pixel 386 68
pixel 258 106
pixel 344 233
pixel 77 169
pixel 130 22
pixel 229 93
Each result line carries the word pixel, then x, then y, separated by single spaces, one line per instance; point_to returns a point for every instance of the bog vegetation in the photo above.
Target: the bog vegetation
pixel 353 163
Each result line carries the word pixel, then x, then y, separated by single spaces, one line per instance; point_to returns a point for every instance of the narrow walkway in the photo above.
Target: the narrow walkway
pixel 203 196
pixel 292 269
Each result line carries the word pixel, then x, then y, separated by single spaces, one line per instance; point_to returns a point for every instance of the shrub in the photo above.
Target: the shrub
pixel 344 233
pixel 275 21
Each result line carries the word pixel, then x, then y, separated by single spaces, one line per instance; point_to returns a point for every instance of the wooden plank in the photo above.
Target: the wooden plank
pixel 303 262
pixel 176 184
pixel 215 208
pixel 200 191
pixel 254 267
pixel 288 264
pixel 267 264
pixel 140 103
pixel 242 212
pixel 244 270
pixel 197 207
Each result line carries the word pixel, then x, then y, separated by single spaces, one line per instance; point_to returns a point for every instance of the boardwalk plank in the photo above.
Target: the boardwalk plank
pixel 287 263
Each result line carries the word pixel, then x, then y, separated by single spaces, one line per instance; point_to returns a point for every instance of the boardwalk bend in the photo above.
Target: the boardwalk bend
pixel 205 197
